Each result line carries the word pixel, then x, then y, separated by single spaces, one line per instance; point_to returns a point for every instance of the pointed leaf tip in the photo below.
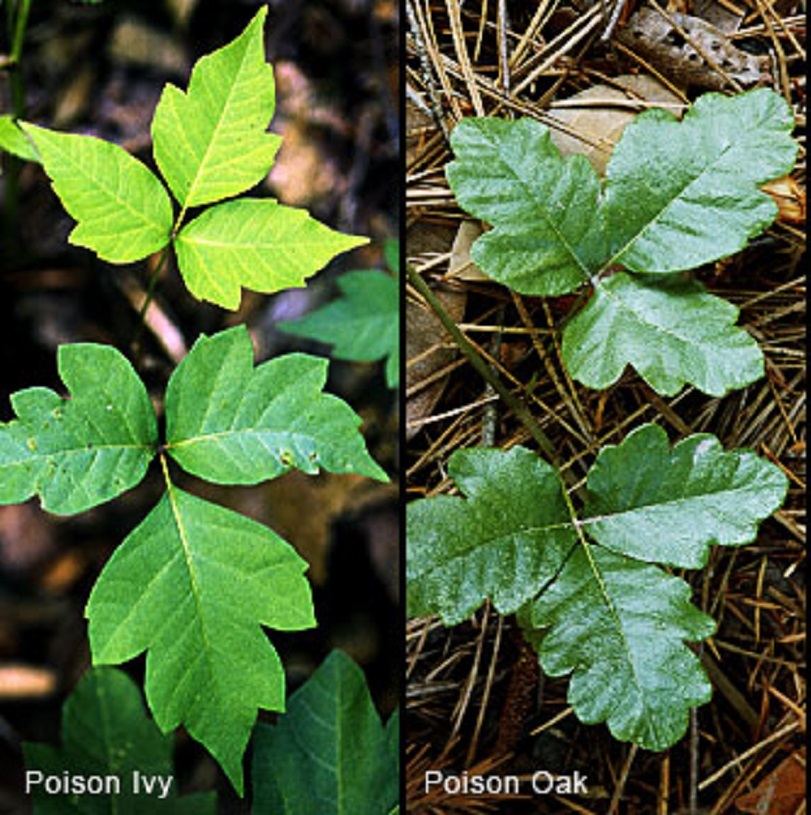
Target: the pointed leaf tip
pixel 122 210
pixel 255 243
pixel 211 142
pixel 231 423
pixel 192 585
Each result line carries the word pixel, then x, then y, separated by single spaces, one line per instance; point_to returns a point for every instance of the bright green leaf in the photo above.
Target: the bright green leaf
pixel 510 536
pixel 549 237
pixel 330 753
pixel 363 325
pixel 79 452
pixel 192 585
pixel 669 507
pixel 255 243
pixel 14 141
pixel 681 194
pixel 231 423
pixel 672 331
pixel 210 142
pixel 123 211
pixel 619 626
pixel 106 732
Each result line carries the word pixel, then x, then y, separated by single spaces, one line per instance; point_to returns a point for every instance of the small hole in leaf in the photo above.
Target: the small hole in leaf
pixel 675 39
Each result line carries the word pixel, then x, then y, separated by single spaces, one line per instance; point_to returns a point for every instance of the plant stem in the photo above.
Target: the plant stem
pixel 520 410
pixel 17 24
pixel 150 293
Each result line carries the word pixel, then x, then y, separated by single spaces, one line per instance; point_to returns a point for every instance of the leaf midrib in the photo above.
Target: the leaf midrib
pixel 538 206
pixel 102 184
pixel 615 258
pixel 217 128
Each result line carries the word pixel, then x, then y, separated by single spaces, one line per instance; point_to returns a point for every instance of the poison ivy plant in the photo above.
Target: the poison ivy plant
pixel 194 583
pixel 13 140
pixel 591 580
pixel 210 143
pixel 330 753
pixel 677 194
pixel 107 734
pixel 364 324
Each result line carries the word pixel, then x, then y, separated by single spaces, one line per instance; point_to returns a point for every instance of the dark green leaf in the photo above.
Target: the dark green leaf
pixel 549 236
pixel 681 194
pixel 330 753
pixel 363 325
pixel 672 331
pixel 504 542
pixel 664 506
pixel 106 732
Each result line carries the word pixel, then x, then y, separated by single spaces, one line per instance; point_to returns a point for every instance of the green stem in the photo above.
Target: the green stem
pixel 16 23
pixel 150 293
pixel 520 410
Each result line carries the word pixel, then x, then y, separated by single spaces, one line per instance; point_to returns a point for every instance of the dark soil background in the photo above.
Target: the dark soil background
pixel 100 69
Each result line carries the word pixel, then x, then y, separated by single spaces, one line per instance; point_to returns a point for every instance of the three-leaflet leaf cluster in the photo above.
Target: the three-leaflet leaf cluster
pixel 194 583
pixel 587 585
pixel 210 144
pixel 677 194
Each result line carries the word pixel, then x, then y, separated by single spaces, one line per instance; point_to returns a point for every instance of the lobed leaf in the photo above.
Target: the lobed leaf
pixel 330 753
pixel 363 325
pixel 672 331
pixel 256 243
pixel 106 732
pixel 684 193
pixel 549 236
pixel 661 506
pixel 79 452
pixel 507 539
pixel 618 623
pixel 231 423
pixel 211 142
pixel 191 585
pixel 619 627
pixel 123 211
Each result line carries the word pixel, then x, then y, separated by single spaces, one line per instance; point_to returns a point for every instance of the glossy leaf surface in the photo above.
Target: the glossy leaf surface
pixel 123 212
pixel 619 627
pixel 598 603
pixel 548 235
pixel 672 331
pixel 79 452
pixel 257 244
pixel 683 193
pixel 231 423
pixel 330 753
pixel 669 506
pixel 192 585
pixel 106 732
pixel 503 541
pixel 363 324
pixel 211 141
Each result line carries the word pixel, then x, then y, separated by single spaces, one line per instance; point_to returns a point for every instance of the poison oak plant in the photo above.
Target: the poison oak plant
pixel 587 582
pixel 587 579
pixel 193 585
pixel 677 194
pixel 210 143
